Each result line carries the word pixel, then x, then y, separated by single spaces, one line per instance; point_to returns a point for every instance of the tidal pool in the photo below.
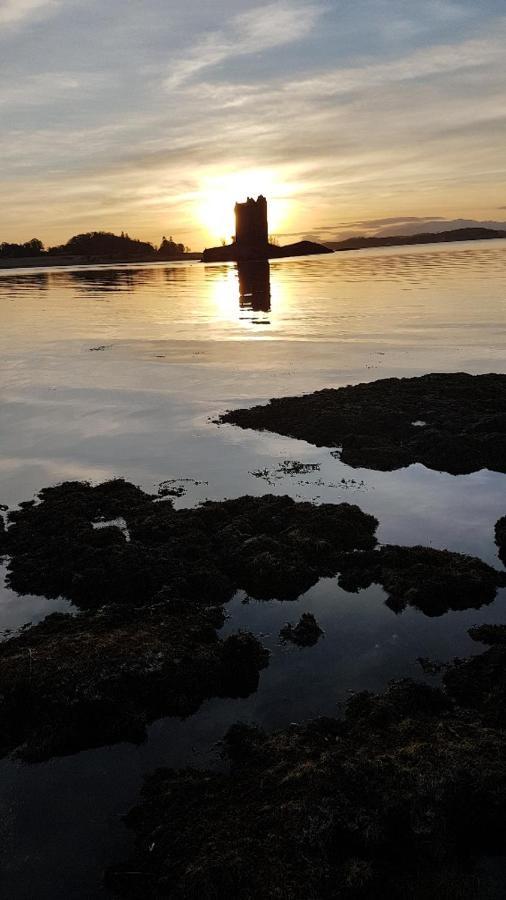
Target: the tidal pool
pixel 121 371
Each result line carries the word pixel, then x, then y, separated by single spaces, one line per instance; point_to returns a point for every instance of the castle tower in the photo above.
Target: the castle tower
pixel 251 229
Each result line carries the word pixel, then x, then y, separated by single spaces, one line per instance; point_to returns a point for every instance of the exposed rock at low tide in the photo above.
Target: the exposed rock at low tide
pixel 269 546
pixel 450 422
pixel 479 683
pixel 305 633
pixel 74 682
pixel 434 581
pixel 500 538
pixel 396 800
pixel 151 581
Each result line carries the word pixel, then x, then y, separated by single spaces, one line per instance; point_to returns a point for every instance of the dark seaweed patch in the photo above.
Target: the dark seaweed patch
pixel 433 581
pixel 305 633
pixel 270 546
pixel 74 682
pixel 396 800
pixel 376 424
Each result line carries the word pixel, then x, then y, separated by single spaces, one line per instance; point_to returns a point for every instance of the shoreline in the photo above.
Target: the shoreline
pixel 53 261
pixel 60 262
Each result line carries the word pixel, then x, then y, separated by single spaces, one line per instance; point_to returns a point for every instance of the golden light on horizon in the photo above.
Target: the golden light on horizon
pixel 218 195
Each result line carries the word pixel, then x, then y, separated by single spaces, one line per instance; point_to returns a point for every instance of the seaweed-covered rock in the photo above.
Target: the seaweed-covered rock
pixel 305 633
pixel 500 538
pixel 3 532
pixel 393 801
pixel 69 544
pixel 450 422
pixel 434 581
pixel 73 682
pixel 479 683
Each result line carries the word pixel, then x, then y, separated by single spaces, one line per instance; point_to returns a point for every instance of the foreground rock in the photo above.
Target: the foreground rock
pixel 74 682
pixel 305 633
pixel 396 800
pixel 2 530
pixel 269 546
pixel 479 683
pixel 450 422
pixel 500 538
pixel 434 581
pixel 152 580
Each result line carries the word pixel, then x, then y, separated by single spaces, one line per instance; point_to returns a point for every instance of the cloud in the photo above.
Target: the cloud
pixel 45 88
pixel 352 135
pixel 421 64
pixel 14 11
pixel 270 26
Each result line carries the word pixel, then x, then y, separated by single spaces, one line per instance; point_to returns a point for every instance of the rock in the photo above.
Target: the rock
pixel 305 633
pixel 396 800
pixel 479 683
pixel 378 424
pixel 269 546
pixel 74 682
pixel 433 581
pixel 500 538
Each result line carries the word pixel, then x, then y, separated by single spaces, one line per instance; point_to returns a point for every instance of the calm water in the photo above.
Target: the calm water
pixel 120 371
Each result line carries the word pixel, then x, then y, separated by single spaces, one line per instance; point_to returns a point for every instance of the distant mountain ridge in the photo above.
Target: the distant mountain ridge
pixel 456 234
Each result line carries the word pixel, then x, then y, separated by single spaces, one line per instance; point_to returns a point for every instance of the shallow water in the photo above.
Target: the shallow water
pixel 121 371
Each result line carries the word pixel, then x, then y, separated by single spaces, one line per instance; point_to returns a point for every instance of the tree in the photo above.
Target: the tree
pixel 104 244
pixel 29 248
pixel 169 249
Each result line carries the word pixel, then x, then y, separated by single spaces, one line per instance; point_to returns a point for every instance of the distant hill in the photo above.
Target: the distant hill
pixel 92 247
pixel 457 234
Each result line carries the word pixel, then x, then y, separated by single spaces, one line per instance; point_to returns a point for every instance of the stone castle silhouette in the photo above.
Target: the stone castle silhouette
pixel 251 225
pixel 252 238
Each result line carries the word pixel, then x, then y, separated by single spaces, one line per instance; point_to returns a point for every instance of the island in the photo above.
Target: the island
pixel 252 238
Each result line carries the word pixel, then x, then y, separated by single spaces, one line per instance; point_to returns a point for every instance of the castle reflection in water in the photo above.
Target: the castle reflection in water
pixel 253 280
pixel 254 285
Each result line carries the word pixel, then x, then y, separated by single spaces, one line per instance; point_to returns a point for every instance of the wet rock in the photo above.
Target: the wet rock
pixel 489 634
pixel 500 538
pixel 305 633
pixel 151 580
pixel 433 581
pixel 378 424
pixel 270 546
pixel 74 682
pixel 3 533
pixel 395 801
pixel 479 683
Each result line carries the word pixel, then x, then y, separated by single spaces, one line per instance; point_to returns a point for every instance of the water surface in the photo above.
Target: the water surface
pixel 121 371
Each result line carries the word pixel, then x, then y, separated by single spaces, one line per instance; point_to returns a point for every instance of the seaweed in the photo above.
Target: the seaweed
pixel 451 422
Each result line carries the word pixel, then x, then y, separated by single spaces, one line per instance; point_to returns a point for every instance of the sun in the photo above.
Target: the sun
pixel 218 195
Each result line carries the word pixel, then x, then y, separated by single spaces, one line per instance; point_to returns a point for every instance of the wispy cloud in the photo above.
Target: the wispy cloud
pixel 47 88
pixel 15 11
pixel 265 28
pixel 424 63
pixel 367 133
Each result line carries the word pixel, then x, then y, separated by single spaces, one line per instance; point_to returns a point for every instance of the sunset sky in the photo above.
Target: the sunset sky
pixel 153 116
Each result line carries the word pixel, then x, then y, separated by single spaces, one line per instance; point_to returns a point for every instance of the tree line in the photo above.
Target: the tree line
pixel 97 245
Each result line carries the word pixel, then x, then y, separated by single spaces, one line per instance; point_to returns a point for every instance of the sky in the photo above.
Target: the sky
pixel 154 116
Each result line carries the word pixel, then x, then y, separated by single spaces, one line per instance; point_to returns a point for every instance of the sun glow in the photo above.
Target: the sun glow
pixel 218 196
